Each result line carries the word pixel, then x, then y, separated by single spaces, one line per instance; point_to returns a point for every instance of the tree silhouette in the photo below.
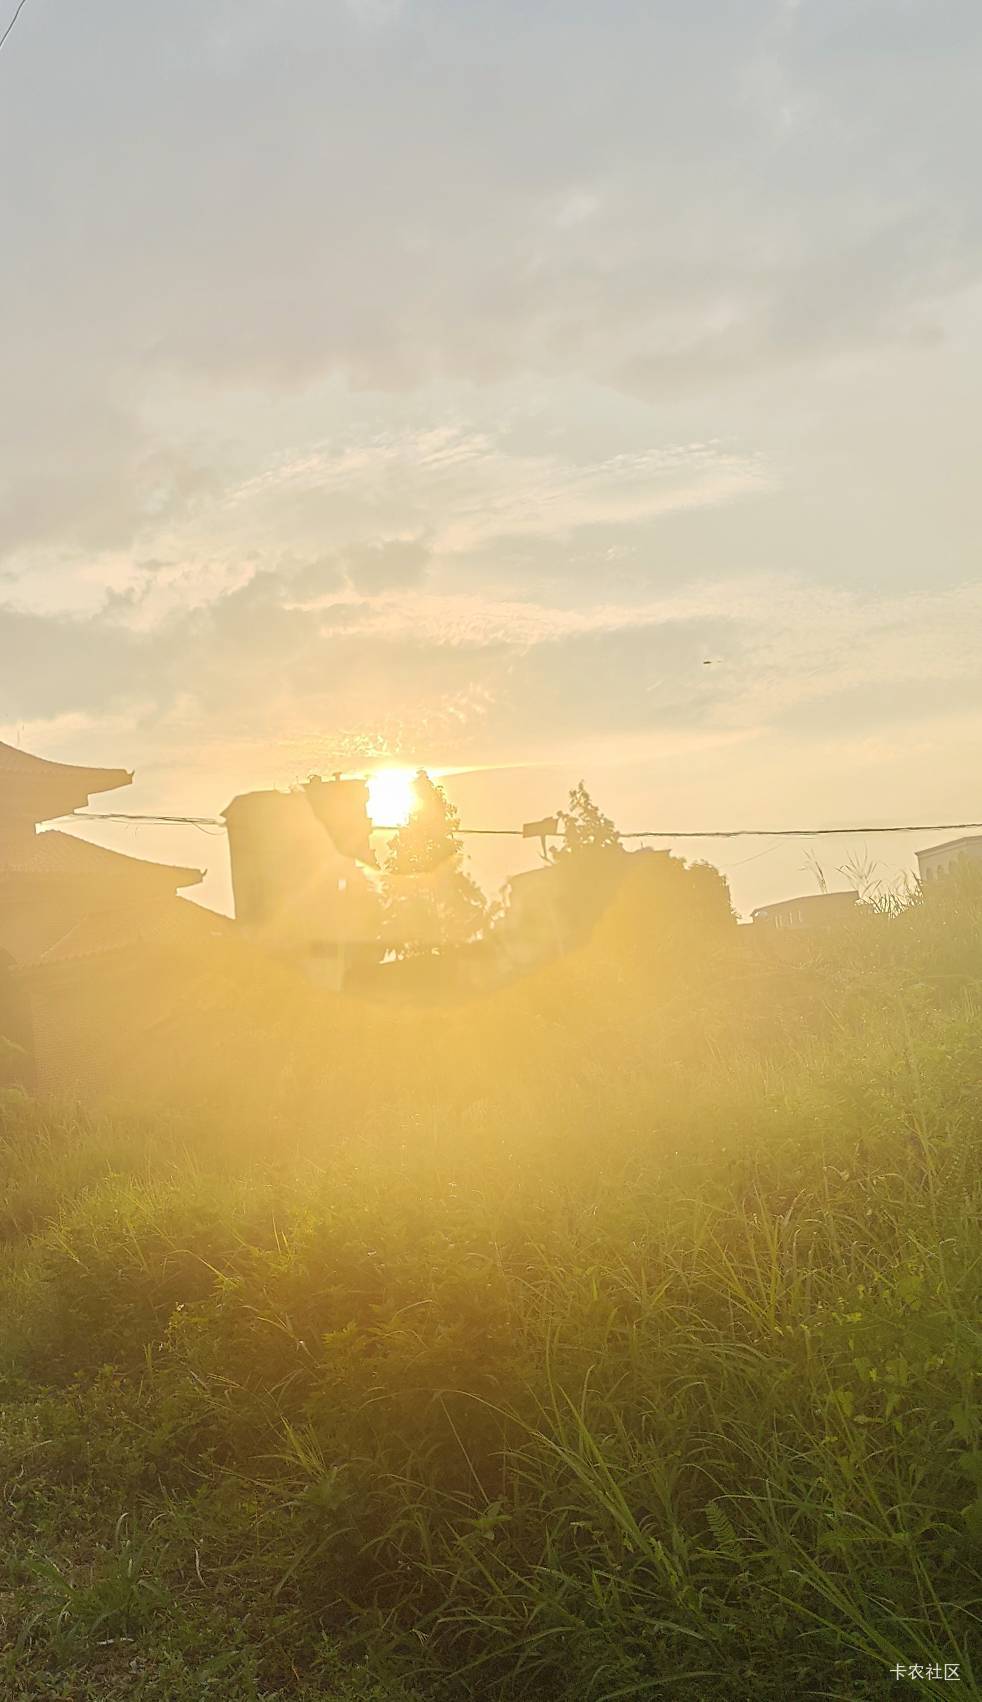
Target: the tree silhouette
pixel 585 827
pixel 586 867
pixel 429 900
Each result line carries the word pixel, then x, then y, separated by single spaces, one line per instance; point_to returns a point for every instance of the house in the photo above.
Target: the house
pixel 63 904
pixel 815 910
pixel 533 926
pixel 936 861
pixel 553 909
pixel 32 791
pixel 299 880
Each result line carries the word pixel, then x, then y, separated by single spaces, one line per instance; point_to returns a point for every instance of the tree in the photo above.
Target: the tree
pixel 586 868
pixel 429 900
pixel 585 827
pixel 668 917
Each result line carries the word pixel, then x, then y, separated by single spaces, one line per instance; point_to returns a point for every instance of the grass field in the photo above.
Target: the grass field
pixel 598 1343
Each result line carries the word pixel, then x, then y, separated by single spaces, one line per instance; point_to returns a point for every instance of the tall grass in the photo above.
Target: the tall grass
pixel 629 1350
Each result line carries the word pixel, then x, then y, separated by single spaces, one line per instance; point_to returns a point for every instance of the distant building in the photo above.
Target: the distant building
pixel 815 910
pixel 550 910
pixel 641 910
pixel 939 860
pixel 534 926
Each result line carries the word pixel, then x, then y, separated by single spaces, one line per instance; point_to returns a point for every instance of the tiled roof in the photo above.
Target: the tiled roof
pixel 176 922
pixel 21 765
pixel 65 855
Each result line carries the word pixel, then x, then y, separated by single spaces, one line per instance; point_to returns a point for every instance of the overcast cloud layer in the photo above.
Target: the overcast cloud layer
pixel 450 382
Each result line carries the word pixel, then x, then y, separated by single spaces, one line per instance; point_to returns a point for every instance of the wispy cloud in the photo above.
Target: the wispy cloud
pixel 391 508
pixel 466 667
pixel 471 488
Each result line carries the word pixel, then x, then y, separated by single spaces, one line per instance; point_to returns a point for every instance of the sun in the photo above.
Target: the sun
pixel 390 796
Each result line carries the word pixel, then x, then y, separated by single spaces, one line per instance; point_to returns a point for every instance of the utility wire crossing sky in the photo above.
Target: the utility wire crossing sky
pixel 12 22
pixel 641 833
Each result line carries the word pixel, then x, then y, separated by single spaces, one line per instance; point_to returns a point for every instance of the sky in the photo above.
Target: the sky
pixel 446 383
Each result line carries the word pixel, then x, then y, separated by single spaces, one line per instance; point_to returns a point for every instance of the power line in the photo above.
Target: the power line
pixel 12 22
pixel 646 833
pixel 152 821
pixel 802 832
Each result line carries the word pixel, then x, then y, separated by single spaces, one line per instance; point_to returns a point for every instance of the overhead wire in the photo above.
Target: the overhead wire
pixel 645 833
pixel 152 821
pixel 803 832
pixel 12 22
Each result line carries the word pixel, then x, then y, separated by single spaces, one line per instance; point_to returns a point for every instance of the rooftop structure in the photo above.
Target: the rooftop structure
pixel 67 902
pixel 299 888
pixel 159 923
pixel 936 861
pixel 814 910
pixel 54 855
pixel 35 790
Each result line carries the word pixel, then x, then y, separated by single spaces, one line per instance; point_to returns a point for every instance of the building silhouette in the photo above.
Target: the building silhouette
pixel 814 910
pixel 936 862
pixel 301 879
pixel 74 917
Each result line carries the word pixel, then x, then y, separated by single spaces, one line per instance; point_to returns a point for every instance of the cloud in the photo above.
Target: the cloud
pixel 369 386
pixel 470 488
pixel 394 510
pixel 443 679
pixel 270 194
pixel 386 563
pixel 375 13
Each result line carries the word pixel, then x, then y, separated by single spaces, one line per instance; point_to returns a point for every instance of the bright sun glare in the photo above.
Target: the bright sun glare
pixel 390 796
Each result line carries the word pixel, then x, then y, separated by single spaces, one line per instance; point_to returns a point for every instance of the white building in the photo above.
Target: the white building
pixel 939 860
pixel 815 910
